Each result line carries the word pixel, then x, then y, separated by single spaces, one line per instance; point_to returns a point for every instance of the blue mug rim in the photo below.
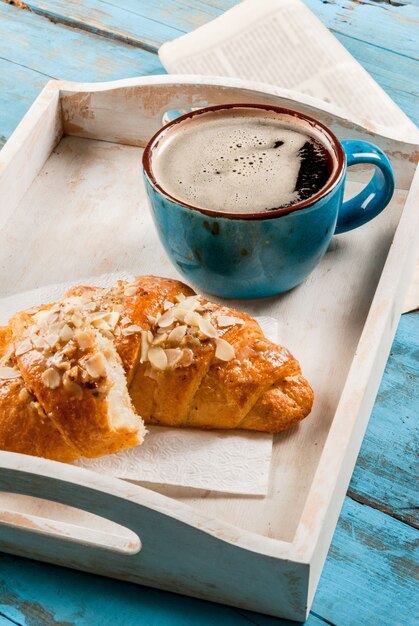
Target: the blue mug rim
pixel 263 215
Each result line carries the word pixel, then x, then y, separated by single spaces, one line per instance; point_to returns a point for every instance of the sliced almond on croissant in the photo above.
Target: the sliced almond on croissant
pixel 93 414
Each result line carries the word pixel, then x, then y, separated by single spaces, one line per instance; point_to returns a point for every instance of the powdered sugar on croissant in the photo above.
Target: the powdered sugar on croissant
pixel 71 373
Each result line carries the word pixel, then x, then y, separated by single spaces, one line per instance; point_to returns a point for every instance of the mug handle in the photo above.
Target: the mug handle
pixel 375 196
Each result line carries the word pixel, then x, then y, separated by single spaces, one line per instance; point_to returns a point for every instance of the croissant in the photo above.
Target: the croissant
pixel 187 362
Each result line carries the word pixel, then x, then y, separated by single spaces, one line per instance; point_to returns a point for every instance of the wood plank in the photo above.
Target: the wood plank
pixel 149 24
pixel 371 22
pixel 386 468
pixel 35 593
pixel 369 576
pixel 33 50
pixel 19 87
pixel 371 552
pixel 67 53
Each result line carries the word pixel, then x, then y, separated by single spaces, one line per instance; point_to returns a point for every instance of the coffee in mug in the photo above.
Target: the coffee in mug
pixel 246 197
pixel 243 161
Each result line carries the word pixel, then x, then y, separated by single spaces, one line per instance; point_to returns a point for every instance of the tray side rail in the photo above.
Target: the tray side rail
pixel 173 555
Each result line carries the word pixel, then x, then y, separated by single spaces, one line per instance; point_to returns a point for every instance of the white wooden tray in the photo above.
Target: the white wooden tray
pixel 72 205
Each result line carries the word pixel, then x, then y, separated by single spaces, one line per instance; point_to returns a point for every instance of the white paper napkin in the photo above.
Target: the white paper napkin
pixel 224 461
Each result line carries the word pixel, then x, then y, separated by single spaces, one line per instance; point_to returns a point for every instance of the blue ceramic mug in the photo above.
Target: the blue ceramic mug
pixel 253 255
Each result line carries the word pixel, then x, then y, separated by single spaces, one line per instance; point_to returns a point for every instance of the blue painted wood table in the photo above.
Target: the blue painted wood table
pixel 370 571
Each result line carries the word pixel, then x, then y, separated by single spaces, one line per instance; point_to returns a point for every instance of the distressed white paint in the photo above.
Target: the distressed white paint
pixel 85 213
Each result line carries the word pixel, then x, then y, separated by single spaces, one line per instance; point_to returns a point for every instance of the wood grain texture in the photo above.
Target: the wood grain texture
pixel 89 177
pixel 149 24
pixel 33 50
pixel 370 552
pixel 369 577
pixel 387 464
pixel 54 596
pixel 361 27
pixel 344 571
pixel 76 171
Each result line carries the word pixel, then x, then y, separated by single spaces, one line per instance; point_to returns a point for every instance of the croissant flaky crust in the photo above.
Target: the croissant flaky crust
pixel 66 370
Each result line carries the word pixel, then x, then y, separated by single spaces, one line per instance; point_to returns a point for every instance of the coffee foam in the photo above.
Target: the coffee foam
pixel 234 160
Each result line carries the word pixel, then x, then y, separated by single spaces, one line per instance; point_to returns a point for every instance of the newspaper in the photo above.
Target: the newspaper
pixel 282 43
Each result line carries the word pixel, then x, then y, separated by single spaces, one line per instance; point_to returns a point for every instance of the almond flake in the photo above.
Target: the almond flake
pixel 66 333
pixel 157 357
pixel 55 327
pixel 159 339
pixel 39 342
pixel 151 320
pixel 191 303
pixel 52 339
pixel 179 313
pixel 187 357
pixel 76 320
pixel 73 303
pixel 23 347
pixel 224 350
pixel 99 315
pixel 73 388
pixel 101 325
pixel 144 346
pixel 228 320
pixel 41 317
pixel 95 365
pixel 179 297
pixel 51 378
pixel 112 319
pixel 167 305
pixel 125 320
pixel 150 336
pixel 174 355
pixel 176 335
pixel 68 349
pixel 131 330
pixel 85 339
pixel 192 318
pixel 207 328
pixel 9 372
pixel 166 319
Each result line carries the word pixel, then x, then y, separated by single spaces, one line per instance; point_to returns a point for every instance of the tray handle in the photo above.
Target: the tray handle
pixel 376 195
pixel 72 486
pixel 182 551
